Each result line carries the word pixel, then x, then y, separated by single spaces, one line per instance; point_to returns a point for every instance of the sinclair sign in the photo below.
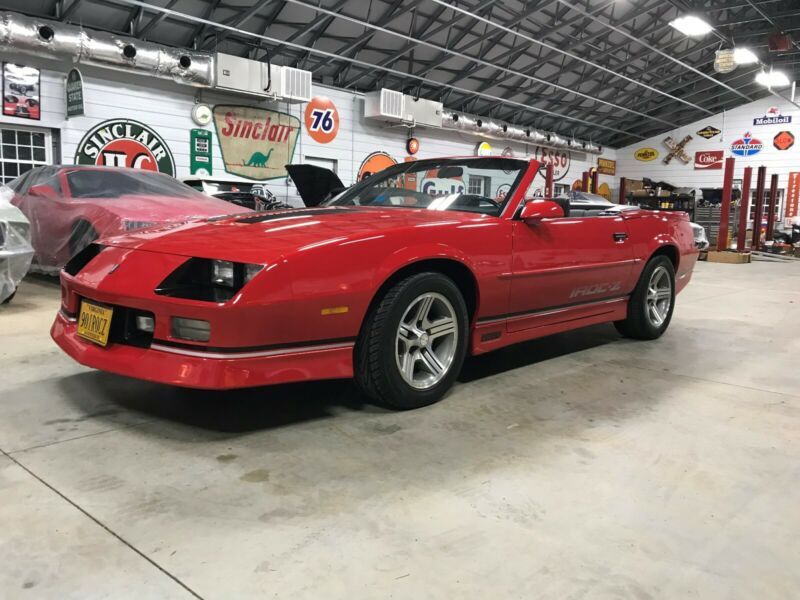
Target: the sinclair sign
pixel 125 143
pixel 256 143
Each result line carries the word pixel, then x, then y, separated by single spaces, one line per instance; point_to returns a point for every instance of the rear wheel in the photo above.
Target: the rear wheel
pixel 652 302
pixel 412 344
pixel 83 234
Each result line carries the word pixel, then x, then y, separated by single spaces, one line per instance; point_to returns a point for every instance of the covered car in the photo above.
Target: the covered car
pixel 15 246
pixel 71 206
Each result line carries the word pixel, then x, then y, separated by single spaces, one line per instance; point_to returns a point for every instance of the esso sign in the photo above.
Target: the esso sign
pixel 558 158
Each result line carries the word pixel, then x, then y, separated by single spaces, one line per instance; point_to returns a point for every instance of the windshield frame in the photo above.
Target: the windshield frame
pixel 521 164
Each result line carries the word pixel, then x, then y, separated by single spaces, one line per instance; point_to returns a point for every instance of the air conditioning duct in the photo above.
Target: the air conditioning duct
pixel 52 39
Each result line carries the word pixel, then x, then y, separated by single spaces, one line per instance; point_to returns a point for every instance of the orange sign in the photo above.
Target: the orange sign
pixel 377 161
pixel 322 119
pixel 793 195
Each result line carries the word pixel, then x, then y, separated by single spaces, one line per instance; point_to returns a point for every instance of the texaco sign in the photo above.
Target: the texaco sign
pixel 125 143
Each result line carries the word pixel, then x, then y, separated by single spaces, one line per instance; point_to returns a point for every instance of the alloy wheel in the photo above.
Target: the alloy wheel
pixel 426 340
pixel 659 296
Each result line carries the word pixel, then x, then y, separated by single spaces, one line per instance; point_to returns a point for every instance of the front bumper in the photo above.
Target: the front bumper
pixel 196 368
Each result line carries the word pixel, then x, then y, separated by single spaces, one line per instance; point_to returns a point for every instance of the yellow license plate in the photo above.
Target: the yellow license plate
pixel 94 322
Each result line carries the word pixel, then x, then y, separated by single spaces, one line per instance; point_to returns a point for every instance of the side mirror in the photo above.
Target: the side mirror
pixel 42 191
pixel 533 212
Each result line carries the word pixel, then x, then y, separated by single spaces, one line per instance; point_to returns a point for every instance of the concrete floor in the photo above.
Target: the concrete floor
pixel 578 466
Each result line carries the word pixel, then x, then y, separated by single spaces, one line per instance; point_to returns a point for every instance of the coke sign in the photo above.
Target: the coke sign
pixel 558 158
pixel 710 159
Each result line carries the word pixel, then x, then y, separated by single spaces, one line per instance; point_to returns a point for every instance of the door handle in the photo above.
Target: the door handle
pixel 620 236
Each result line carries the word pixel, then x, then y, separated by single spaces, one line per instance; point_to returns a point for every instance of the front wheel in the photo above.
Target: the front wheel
pixel 412 344
pixel 652 302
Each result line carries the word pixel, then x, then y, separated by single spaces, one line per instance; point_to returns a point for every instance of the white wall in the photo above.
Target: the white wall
pixel 166 107
pixel 734 124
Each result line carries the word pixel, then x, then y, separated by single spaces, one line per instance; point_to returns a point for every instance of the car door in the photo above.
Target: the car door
pixel 567 261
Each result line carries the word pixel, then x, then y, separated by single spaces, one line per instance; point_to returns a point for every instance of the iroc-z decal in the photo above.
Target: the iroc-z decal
pixel 595 289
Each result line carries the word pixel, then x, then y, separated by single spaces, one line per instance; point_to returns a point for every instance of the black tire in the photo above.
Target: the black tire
pixel 83 234
pixel 638 325
pixel 10 298
pixel 377 373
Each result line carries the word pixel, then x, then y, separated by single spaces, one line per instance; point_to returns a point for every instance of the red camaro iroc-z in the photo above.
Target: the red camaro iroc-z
pixel 392 281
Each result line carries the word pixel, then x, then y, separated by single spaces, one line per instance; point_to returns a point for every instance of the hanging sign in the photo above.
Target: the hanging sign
pixel 783 140
pixel 256 143
pixel 74 91
pixel 606 166
pixel 412 146
pixel 793 195
pixel 560 159
pixel 200 152
pixel 377 161
pixel 321 119
pixel 21 92
pixel 708 132
pixel 645 154
pixel 483 149
pixel 747 145
pixel 709 159
pixel 125 143
pixel 773 117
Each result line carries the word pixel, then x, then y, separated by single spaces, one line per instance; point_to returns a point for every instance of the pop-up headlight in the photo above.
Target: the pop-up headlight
pixel 209 280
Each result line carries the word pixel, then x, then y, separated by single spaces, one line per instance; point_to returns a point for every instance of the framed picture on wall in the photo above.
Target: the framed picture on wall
pixel 21 92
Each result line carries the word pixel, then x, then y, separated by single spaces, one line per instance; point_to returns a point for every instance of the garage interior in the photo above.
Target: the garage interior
pixel 577 465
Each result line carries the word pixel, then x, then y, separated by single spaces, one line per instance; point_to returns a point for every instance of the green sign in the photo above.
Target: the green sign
pixel 74 89
pixel 200 152
pixel 125 143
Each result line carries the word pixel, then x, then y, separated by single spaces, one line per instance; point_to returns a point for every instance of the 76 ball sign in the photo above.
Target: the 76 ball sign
pixel 321 119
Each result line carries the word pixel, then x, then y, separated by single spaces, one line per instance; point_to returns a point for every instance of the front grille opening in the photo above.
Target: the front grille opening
pixel 76 264
pixel 124 329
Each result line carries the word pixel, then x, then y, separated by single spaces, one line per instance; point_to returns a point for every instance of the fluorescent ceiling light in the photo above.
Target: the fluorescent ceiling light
pixel 744 56
pixel 773 79
pixel 691 26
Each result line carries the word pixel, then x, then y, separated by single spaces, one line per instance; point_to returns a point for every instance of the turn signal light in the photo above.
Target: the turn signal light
pixel 193 330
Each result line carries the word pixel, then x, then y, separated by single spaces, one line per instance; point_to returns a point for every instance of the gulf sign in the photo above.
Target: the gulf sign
pixel 710 159
pixel 433 185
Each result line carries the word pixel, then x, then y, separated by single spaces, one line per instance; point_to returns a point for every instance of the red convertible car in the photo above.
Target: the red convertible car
pixel 393 281
pixel 71 206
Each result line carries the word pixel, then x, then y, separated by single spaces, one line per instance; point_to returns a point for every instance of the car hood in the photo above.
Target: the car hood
pixel 165 208
pixel 260 237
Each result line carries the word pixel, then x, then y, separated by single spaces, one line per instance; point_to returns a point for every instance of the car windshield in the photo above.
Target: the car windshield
pixel 481 185
pixel 115 183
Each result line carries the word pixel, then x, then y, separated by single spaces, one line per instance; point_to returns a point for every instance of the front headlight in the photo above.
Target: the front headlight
pixel 222 273
pixel 209 280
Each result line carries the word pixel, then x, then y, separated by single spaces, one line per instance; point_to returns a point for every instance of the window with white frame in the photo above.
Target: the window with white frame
pixel 479 185
pixel 22 149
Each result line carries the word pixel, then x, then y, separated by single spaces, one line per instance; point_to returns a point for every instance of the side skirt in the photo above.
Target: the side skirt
pixel 490 335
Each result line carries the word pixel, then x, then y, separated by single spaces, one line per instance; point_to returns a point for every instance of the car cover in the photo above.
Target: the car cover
pixel 314 184
pixel 16 251
pixel 69 207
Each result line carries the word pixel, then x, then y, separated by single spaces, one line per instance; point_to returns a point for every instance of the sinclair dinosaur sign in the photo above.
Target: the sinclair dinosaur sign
pixel 255 143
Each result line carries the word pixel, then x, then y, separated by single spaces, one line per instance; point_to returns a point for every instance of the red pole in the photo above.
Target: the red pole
pixel 773 193
pixel 623 199
pixel 727 187
pixel 548 180
pixel 595 180
pixel 758 208
pixel 585 181
pixel 741 242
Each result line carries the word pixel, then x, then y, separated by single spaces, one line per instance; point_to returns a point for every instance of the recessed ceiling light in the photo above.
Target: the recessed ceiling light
pixel 744 56
pixel 691 26
pixel 773 79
